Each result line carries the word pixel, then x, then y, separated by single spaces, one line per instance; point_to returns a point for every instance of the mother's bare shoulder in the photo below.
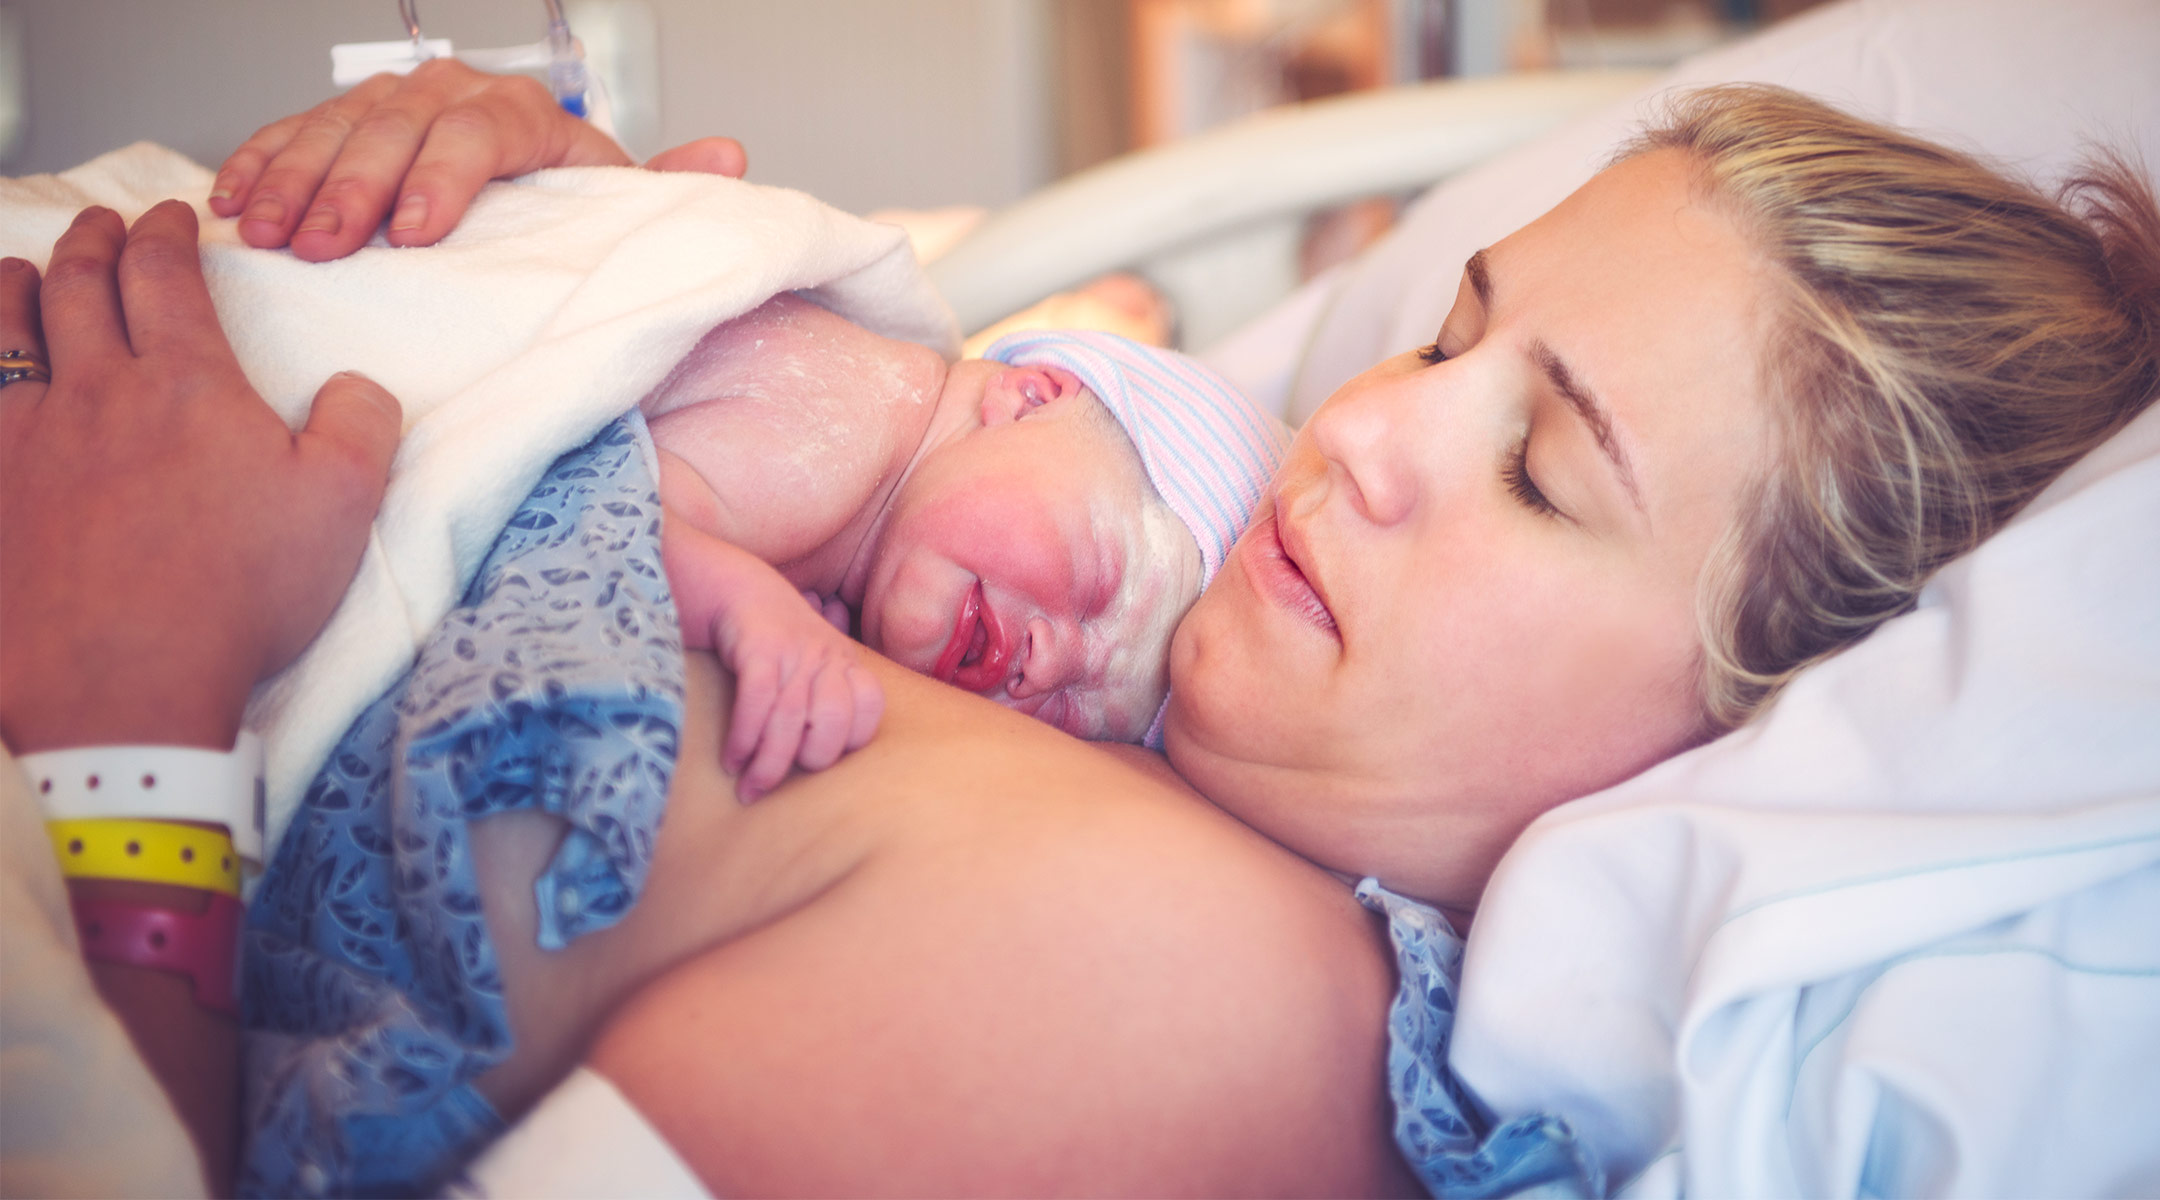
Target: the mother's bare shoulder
pixel 1037 967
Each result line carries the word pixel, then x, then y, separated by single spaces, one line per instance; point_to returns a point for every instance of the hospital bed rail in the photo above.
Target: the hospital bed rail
pixel 1213 220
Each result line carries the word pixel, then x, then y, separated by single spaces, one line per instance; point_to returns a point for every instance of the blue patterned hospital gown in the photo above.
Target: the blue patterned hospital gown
pixel 369 982
pixel 1449 1139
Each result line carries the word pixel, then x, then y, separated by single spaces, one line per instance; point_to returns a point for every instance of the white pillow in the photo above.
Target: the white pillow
pixel 2025 82
pixel 1901 936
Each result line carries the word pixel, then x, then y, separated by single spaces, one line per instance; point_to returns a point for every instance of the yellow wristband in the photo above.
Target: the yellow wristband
pixel 146 852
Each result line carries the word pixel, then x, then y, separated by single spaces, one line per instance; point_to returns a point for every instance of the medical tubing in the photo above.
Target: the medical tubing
pixel 566 66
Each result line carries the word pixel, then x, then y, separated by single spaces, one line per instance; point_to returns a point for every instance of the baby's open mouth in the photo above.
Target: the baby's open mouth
pixel 975 656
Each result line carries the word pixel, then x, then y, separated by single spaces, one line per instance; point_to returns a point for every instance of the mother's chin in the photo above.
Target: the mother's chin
pixel 1420 776
pixel 1352 816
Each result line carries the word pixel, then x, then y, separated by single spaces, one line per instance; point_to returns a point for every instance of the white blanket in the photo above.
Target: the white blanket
pixel 559 302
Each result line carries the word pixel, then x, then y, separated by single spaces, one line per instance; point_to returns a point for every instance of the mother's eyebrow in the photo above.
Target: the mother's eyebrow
pixel 1593 413
pixel 1479 269
pixel 1586 406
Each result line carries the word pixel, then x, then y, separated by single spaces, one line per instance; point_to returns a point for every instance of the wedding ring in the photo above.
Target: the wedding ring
pixel 19 365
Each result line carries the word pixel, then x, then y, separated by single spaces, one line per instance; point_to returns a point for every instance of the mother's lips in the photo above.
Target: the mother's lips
pixel 975 656
pixel 1273 568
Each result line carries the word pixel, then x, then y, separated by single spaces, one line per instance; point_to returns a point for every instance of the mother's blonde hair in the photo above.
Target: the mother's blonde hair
pixel 1949 341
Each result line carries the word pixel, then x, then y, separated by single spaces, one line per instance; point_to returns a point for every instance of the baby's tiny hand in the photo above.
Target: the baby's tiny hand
pixel 802 694
pixel 834 608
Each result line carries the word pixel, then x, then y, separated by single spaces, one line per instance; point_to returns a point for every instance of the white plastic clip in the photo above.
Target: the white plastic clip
pixel 351 62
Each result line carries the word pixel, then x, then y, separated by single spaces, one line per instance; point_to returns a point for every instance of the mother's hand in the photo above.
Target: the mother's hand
pixel 165 540
pixel 415 148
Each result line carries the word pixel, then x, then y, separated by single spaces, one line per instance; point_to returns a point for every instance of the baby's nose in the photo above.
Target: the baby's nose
pixel 1047 663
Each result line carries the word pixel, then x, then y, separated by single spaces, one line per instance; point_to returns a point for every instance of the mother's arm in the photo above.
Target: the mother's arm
pixel 165 541
pixel 979 956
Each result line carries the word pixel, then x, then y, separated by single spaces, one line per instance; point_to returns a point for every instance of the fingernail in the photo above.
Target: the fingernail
pixel 267 209
pixel 359 375
pixel 411 213
pixel 222 189
pixel 324 219
pixel 12 265
pixel 87 214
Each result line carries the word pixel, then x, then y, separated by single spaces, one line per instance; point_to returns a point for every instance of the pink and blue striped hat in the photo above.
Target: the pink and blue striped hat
pixel 1208 449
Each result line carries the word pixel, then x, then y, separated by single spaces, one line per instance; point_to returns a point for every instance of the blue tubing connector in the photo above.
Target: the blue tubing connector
pixel 566 70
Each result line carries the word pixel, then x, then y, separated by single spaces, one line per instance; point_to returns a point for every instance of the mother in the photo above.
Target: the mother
pixel 1714 417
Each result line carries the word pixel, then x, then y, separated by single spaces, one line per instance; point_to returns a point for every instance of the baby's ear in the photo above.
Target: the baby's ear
pixel 1013 393
pixel 1002 402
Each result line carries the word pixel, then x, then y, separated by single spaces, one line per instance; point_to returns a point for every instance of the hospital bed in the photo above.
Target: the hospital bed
pixel 1752 969
pixel 1214 220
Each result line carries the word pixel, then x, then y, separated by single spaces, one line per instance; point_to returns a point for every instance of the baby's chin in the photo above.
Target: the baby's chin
pixel 1126 719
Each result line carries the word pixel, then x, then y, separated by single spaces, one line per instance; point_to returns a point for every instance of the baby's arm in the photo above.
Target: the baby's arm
pixel 801 695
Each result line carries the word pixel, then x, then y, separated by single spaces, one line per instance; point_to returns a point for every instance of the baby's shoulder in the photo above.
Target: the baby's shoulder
pixel 790 417
pixel 794 369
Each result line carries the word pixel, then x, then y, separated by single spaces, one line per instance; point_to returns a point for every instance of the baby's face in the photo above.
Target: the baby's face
pixel 1030 561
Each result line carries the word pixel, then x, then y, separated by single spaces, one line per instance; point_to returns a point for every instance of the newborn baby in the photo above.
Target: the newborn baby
pixel 1028 526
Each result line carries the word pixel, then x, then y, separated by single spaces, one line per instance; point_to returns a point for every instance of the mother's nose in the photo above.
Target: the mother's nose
pixel 1365 435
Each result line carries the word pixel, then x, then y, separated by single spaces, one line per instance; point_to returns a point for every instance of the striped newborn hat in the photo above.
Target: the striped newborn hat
pixel 1208 450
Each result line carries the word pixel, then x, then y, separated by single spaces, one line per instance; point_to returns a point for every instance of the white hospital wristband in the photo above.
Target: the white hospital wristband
pixel 156 783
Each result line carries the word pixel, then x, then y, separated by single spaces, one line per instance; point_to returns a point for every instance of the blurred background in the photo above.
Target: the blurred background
pixel 922 111
pixel 867 103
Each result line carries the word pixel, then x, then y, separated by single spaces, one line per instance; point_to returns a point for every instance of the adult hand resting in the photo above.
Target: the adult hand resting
pixel 165 540
pixel 416 149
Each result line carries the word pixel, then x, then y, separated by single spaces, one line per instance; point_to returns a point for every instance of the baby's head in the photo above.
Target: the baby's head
pixel 1043 558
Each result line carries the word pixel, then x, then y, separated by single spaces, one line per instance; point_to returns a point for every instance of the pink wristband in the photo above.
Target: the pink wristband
pixel 203 946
